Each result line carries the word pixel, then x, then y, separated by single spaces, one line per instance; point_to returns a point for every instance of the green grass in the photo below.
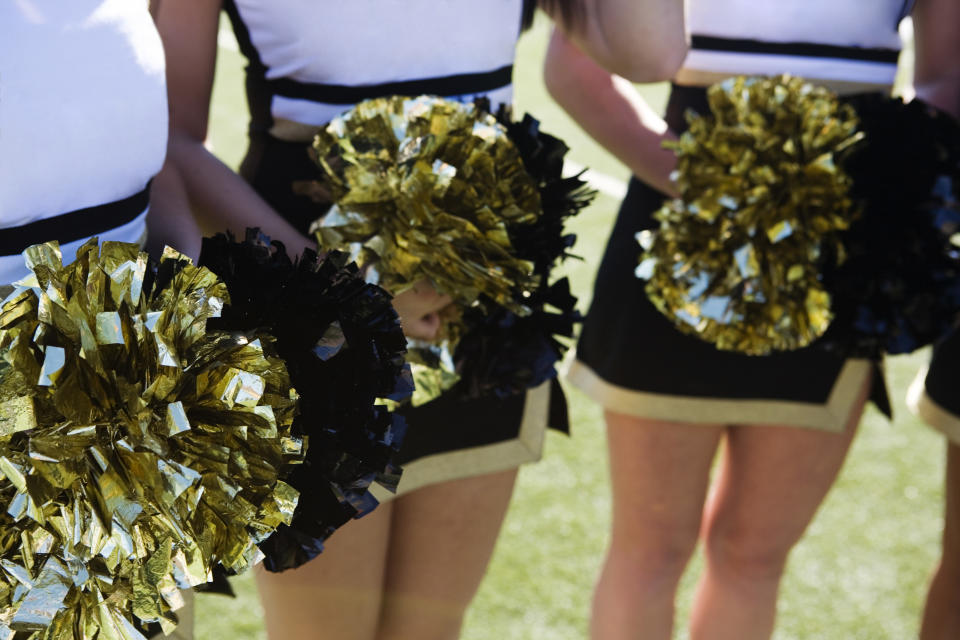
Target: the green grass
pixel 859 573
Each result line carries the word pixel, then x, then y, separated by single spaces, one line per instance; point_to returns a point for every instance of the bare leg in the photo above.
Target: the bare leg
pixel 442 537
pixel 770 484
pixel 336 595
pixel 941 616
pixel 660 473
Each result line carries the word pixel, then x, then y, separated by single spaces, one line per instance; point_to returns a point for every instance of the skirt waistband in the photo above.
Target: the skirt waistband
pixel 446 86
pixel 681 99
pixel 74 225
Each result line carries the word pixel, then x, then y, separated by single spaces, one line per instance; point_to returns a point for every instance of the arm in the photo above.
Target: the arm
pixel 221 198
pixel 170 221
pixel 936 24
pixel 641 40
pixel 611 111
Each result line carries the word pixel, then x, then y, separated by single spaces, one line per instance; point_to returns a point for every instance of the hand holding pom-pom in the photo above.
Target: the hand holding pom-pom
pixel 419 308
pixel 431 190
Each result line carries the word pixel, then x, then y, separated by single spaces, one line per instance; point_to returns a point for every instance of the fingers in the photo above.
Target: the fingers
pixel 423 328
pixel 418 309
pixel 428 298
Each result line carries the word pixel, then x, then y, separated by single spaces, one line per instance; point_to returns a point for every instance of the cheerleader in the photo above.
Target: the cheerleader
pixel 786 420
pixel 934 397
pixel 934 394
pixel 411 568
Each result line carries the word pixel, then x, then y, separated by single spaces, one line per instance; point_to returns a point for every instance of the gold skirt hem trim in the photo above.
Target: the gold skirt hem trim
pixel 482 460
pixel 830 416
pixel 926 408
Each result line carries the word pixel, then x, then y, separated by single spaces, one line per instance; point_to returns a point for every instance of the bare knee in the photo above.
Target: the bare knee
pixel 948 569
pixel 654 560
pixel 945 587
pixel 745 554
pixel 417 618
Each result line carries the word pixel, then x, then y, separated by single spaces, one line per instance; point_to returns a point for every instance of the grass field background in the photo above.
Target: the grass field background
pixel 860 572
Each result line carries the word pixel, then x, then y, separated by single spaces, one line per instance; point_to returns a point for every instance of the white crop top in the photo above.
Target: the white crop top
pixel 83 109
pixel 349 50
pixel 842 40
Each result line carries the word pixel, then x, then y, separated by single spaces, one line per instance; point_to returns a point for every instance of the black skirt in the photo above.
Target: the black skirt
pixel 935 393
pixel 632 360
pixel 451 437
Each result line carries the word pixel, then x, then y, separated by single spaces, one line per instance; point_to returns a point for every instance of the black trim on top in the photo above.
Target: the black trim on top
pixel 905 11
pixel 75 225
pixel 446 86
pixel 255 76
pixel 800 49
pixel 527 13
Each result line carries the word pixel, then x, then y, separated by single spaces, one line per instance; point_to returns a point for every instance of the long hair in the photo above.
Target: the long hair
pixel 571 10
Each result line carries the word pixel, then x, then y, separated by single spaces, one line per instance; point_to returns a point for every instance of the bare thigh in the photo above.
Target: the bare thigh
pixel 660 472
pixel 337 595
pixel 941 615
pixel 771 482
pixel 442 537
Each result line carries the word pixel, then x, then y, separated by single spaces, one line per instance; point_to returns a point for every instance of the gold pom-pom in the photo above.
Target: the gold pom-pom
pixel 428 188
pixel 137 450
pixel 736 260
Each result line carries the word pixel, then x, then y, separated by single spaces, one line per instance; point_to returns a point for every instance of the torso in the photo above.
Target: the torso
pixel 364 43
pixel 83 110
pixel 849 45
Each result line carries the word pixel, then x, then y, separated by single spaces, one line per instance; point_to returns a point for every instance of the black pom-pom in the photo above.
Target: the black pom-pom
pixel 899 287
pixel 344 349
pixel 502 353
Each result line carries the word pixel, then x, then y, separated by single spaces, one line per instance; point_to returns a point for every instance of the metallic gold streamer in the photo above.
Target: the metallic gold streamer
pixel 137 451
pixel 428 188
pixel 736 260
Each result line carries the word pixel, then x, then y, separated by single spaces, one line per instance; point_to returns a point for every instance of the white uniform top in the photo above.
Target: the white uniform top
pixel 842 40
pixel 363 43
pixel 83 111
